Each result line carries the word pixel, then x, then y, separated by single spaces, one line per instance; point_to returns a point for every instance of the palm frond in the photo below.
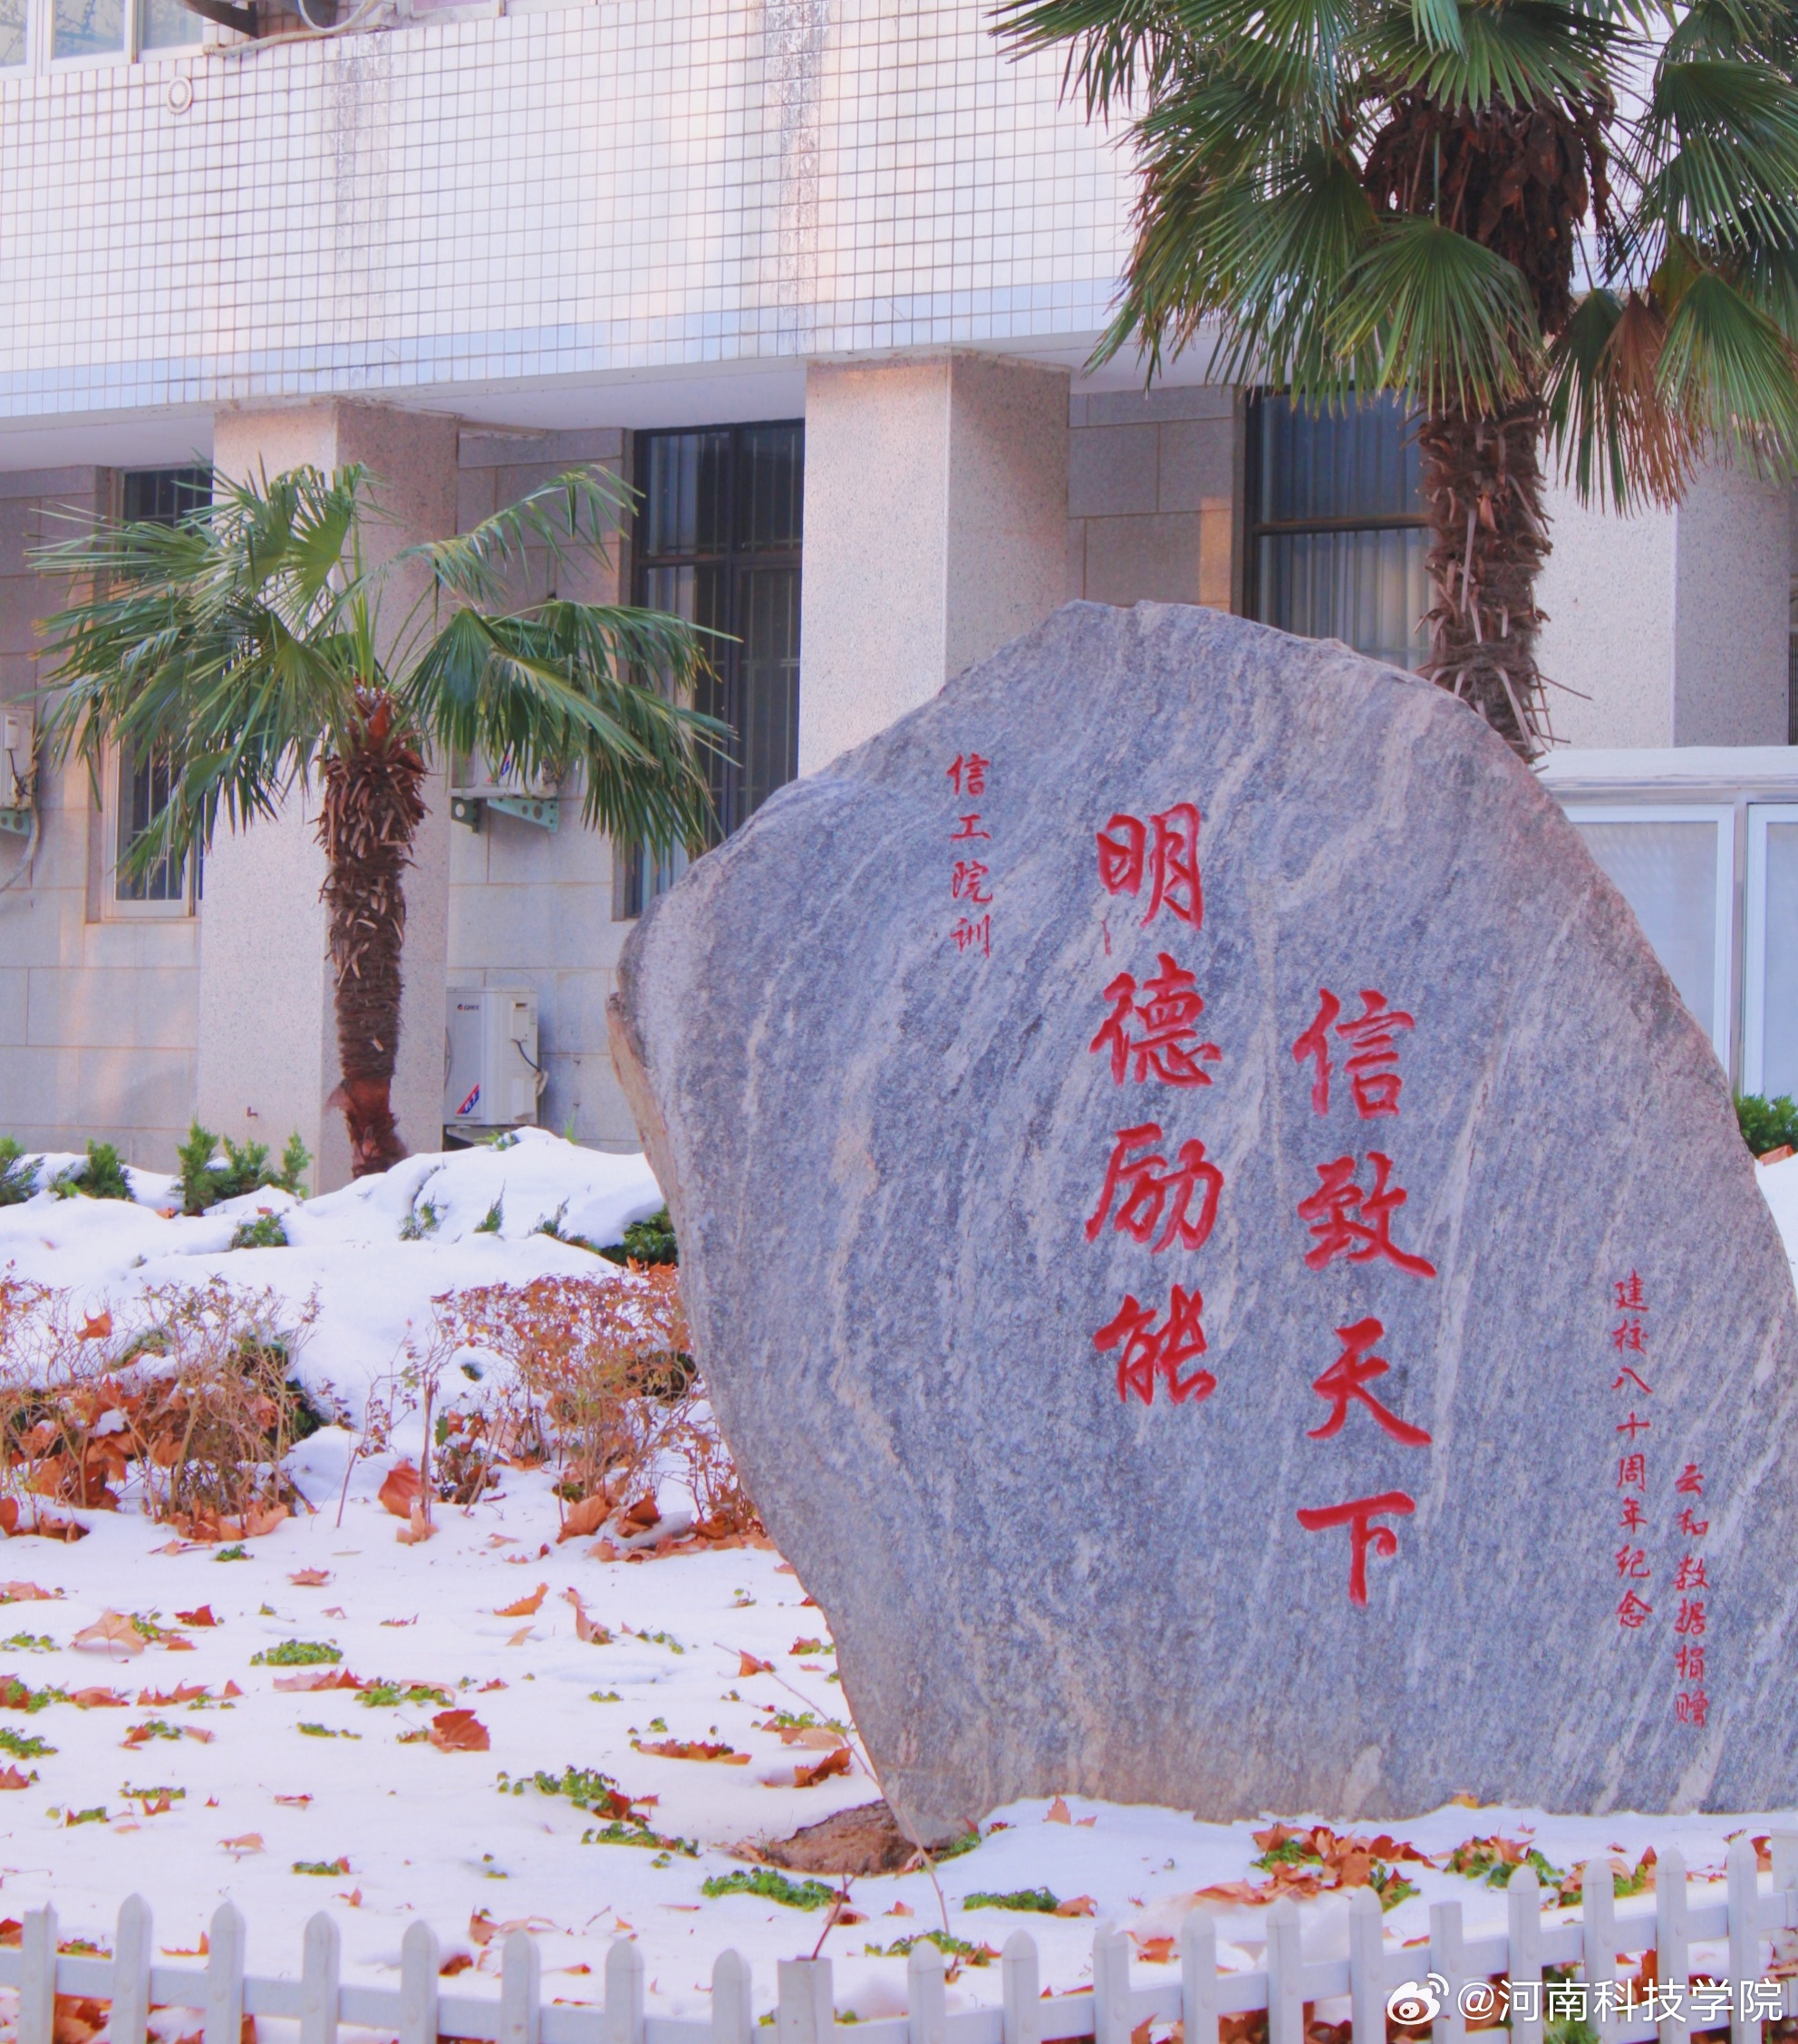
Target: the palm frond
pixel 1617 439
pixel 573 515
pixel 1727 366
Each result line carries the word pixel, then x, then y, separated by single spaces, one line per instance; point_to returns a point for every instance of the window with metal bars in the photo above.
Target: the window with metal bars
pixel 159 497
pixel 1335 526
pixel 718 542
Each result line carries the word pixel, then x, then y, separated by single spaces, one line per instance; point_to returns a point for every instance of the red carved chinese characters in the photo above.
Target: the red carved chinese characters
pixel 1147 1352
pixel 1358 1516
pixel 1346 1382
pixel 1346 1221
pixel 1373 1060
pixel 1154 1028
pixel 1165 851
pixel 968 873
pixel 1692 1585
pixel 1157 1195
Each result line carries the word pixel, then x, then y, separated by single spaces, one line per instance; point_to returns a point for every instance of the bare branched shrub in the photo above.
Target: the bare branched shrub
pixel 66 1422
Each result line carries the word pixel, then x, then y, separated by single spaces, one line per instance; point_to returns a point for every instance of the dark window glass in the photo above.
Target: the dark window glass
pixel 1337 534
pixel 164 495
pixel 161 496
pixel 718 544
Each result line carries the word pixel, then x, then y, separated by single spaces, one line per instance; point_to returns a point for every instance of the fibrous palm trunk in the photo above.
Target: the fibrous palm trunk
pixel 1482 489
pixel 373 809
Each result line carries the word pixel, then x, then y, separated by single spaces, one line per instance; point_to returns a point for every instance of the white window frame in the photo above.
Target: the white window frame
pixel 112 908
pixel 1722 818
pixel 1755 940
pixel 41 42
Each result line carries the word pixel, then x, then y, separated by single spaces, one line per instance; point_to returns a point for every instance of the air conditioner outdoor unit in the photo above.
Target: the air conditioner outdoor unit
pixel 492 1076
pixel 16 755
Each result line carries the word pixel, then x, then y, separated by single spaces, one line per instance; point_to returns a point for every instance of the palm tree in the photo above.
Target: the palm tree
pixel 254 647
pixel 1559 224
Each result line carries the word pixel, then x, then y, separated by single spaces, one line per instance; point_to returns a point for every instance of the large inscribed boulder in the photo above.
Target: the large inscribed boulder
pixel 1225 1263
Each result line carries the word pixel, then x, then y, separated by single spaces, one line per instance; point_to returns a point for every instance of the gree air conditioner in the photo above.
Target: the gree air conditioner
pixel 493 1075
pixel 17 748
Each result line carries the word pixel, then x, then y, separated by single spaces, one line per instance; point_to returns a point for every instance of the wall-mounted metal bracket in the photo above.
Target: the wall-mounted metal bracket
pixel 543 810
pixel 16 821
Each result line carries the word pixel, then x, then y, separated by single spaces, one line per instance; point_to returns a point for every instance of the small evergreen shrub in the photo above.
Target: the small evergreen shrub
pixel 18 1172
pixel 264 1232
pixel 646 1241
pixel 102 1177
pixel 212 1170
pixel 1768 1125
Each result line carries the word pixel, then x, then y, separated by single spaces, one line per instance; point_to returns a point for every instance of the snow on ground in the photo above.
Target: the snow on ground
pixel 278 1777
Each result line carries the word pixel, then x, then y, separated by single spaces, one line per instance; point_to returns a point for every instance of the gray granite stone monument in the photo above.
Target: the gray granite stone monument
pixel 1224 1261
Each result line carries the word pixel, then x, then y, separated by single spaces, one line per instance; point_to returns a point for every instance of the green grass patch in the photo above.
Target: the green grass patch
pixel 772 1886
pixel 1040 1902
pixel 297 1653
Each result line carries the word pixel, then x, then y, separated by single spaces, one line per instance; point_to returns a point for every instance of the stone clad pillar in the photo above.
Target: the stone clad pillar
pixel 268 1059
pixel 936 530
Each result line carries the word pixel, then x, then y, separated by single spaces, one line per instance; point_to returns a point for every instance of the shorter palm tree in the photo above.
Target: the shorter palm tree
pixel 254 649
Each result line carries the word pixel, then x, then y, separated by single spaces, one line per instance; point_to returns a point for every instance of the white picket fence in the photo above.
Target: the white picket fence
pixel 421 2010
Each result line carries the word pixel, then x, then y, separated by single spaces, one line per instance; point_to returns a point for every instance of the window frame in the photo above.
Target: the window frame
pixel 1755 940
pixel 1255 527
pixel 39 43
pixel 735 563
pixel 1722 818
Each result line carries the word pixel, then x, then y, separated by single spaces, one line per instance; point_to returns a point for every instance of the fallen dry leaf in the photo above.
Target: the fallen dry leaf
pixel 309 1679
pixel 26 1592
pixel 10 1777
pixel 416 1529
pixel 586 1630
pixel 902 1909
pixel 401 1489
pixel 264 1520
pixel 111 1632
pixel 692 1749
pixel 832 1763
pixel 748 1665
pixel 230 1689
pixel 96 1326
pixel 335 1611
pixel 354 1897
pixel 457 1963
pixel 201 1617
pixel 520 1637
pixel 458 1731
pixel 481 1927
pixel 294 1802
pixel 99 1700
pixel 250 1842
pixel 1153 1950
pixel 309 1578
pixel 199 1951
pixel 1057 1813
pixel 587 1517
pixel 526 1606
pixel 1077 1905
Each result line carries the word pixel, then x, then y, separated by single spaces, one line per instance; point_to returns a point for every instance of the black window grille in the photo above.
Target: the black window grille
pixel 1335 526
pixel 158 497
pixel 718 542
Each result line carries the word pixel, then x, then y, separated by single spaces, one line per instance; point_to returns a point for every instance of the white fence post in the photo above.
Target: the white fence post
pixel 1111 1985
pixel 420 1960
pixel 321 1965
pixel 1784 1845
pixel 131 1973
pixel 1598 1916
pixel 1745 1938
pixel 1023 2015
pixel 1198 1979
pixel 37 1976
pixel 1673 1945
pixel 926 1995
pixel 1448 1957
pixel 1285 1975
pixel 733 2017
pixel 1367 1967
pixel 1523 1912
pixel 520 1988
pixel 224 2015
pixel 806 2010
pixel 624 1993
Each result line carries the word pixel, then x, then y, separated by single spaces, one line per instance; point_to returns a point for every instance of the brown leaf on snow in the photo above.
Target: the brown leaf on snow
pixel 41 1525
pixel 250 1842
pixel 183 1693
pixel 1153 1951
pixel 96 1326
pixel 99 1700
pixel 416 1529
pixel 76 2020
pixel 264 1520
pixel 202 1617
pixel 458 1731
pixel 309 1679
pixel 589 1631
pixel 111 1632
pixel 401 1489
pixel 526 1606
pixel 295 1802
pixel 10 1777
pixel 457 1963
pixel 481 1927
pixel 1057 1813
pixel 587 1517
pixel 832 1763
pixel 199 1951
pixel 1077 1905
pixel 309 1578
pixel 520 1637
pixel 26 1592
pixel 230 1689
pixel 748 1665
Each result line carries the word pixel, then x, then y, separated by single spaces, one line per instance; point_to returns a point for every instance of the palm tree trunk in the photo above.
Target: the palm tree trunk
pixel 1482 489
pixel 373 809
